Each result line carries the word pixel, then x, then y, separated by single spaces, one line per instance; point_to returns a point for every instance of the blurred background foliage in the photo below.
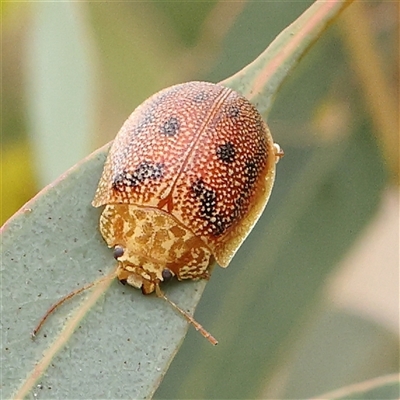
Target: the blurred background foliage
pixel 321 310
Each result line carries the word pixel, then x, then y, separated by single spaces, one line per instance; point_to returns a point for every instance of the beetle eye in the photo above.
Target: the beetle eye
pixel 166 274
pixel 118 252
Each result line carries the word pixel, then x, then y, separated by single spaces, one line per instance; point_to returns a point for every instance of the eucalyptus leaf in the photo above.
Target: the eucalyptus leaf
pixel 50 247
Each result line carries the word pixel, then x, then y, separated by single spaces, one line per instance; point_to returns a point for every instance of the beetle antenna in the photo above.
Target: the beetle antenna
pixel 188 317
pixel 67 297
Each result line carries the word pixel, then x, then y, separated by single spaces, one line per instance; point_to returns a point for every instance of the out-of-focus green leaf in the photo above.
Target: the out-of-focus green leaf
pixel 385 387
pixel 187 19
pixel 15 162
pixel 274 65
pixel 60 87
pixel 333 354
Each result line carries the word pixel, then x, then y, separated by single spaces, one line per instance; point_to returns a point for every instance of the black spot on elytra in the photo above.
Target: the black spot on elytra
pixel 208 208
pixel 200 97
pixel 226 152
pixel 233 111
pixel 220 225
pixel 170 127
pixel 207 197
pixel 143 123
pixel 145 171
pixel 251 172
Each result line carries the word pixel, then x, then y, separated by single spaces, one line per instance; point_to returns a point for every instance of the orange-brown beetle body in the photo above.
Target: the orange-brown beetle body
pixel 186 179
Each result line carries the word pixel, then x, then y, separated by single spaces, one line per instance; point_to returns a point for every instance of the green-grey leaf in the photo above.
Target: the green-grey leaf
pixel 125 343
